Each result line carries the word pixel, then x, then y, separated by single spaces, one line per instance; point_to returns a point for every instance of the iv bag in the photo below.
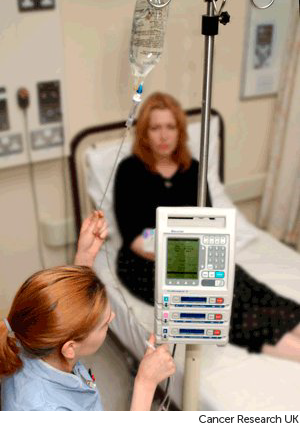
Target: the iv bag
pixel 147 38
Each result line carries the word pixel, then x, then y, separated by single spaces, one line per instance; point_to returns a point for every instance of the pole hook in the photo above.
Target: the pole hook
pixel 218 12
pixel 159 4
pixel 263 7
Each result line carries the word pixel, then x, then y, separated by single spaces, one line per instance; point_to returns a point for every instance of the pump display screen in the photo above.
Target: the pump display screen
pixel 182 260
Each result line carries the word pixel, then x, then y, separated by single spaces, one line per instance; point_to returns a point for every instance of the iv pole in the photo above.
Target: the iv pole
pixel 210 27
pixel 210 24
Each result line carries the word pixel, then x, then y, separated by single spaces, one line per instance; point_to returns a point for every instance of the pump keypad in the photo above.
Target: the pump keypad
pixel 216 257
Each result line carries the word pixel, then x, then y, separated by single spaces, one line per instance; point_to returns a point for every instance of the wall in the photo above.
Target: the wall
pixel 98 90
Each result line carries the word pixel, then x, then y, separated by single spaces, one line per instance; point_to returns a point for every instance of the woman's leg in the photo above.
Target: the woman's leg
pixel 288 347
pixel 137 274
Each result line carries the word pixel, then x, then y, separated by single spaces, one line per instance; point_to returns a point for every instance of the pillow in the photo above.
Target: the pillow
pixel 245 231
pixel 100 161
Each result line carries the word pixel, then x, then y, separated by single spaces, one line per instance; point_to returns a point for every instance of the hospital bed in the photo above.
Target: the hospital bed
pixel 231 378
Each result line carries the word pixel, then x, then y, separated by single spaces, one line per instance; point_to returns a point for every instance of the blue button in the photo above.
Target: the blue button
pixel 166 299
pixel 165 330
pixel 220 274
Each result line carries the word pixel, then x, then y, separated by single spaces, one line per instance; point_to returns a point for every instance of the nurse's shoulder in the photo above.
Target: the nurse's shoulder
pixel 23 391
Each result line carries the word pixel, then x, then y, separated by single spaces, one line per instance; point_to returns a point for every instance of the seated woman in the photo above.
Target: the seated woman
pixel 58 316
pixel 161 172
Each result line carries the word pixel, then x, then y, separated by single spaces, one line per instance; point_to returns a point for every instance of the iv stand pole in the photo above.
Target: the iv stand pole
pixel 192 355
pixel 210 27
pixel 205 112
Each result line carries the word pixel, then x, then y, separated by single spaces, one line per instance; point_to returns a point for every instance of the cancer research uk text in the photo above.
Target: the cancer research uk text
pixel 241 419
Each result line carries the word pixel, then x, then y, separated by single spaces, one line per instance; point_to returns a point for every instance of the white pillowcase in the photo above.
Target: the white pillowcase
pixel 100 160
pixel 245 231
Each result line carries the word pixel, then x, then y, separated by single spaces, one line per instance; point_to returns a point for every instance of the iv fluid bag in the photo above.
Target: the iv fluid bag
pixel 147 37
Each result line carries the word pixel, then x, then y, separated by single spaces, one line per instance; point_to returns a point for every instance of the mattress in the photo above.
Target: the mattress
pixel 230 377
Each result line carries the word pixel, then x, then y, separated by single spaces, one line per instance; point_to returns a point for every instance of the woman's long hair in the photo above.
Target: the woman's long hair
pixel 141 147
pixel 52 307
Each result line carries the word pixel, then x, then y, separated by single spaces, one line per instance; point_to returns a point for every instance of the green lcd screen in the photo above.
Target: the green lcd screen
pixel 182 260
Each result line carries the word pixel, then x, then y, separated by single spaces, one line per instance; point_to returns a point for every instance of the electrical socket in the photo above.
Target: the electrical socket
pixel 11 144
pixel 46 4
pixel 33 5
pixel 27 5
pixel 47 138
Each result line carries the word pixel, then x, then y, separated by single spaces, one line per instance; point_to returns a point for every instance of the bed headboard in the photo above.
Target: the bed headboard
pixel 111 132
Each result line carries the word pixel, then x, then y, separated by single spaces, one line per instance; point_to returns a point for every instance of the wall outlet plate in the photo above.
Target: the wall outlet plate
pixel 11 144
pixel 33 5
pixel 47 137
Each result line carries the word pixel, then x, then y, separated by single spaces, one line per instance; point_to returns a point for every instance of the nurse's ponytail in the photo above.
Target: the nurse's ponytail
pixel 9 351
pixel 52 307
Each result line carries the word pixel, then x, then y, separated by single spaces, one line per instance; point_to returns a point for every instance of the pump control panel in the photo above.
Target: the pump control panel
pixel 194 274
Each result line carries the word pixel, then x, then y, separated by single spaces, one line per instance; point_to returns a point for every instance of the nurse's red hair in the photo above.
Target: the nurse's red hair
pixel 141 148
pixel 52 307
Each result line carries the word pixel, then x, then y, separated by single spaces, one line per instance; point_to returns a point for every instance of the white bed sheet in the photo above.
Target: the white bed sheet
pixel 231 378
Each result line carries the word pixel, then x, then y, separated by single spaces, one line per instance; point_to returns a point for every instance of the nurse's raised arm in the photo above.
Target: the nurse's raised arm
pixel 93 233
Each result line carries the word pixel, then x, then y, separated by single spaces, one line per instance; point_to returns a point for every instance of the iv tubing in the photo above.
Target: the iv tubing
pixel 136 100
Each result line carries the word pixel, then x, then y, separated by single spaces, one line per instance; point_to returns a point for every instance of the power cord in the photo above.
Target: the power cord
pixel 66 210
pixel 23 103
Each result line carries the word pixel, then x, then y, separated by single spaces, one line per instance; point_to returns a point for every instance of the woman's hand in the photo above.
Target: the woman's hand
pixel 93 233
pixel 155 367
pixel 137 246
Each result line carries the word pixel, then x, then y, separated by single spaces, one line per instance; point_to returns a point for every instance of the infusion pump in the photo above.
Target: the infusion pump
pixel 194 274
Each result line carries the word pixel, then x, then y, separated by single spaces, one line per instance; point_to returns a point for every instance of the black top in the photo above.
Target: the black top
pixel 139 191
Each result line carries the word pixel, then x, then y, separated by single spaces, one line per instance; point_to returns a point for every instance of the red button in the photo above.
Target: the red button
pixel 217 332
pixel 218 317
pixel 220 300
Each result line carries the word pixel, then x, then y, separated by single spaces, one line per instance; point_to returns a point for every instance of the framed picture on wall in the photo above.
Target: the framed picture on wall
pixel 265 41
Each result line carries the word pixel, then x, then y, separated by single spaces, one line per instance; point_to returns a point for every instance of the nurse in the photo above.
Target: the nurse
pixel 58 316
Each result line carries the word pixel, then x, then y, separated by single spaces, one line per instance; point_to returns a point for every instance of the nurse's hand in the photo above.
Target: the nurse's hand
pixel 92 235
pixel 156 366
